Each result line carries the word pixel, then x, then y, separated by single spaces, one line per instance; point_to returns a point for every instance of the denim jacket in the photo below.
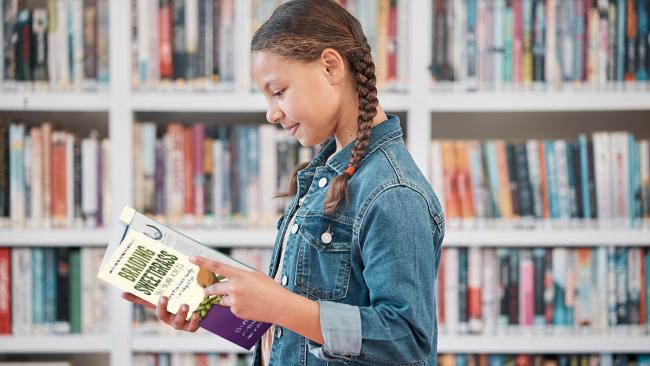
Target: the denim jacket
pixel 372 266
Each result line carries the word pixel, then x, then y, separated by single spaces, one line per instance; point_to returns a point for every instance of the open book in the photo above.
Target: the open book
pixel 149 260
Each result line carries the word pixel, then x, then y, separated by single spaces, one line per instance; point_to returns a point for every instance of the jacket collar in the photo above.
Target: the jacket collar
pixel 379 135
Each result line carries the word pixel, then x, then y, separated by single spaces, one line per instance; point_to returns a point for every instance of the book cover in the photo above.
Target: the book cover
pixel 151 260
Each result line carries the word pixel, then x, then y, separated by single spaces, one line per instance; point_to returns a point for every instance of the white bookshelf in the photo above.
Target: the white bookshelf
pixel 419 102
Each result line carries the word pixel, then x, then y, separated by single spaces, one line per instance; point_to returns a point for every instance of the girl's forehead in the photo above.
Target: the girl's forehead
pixel 267 66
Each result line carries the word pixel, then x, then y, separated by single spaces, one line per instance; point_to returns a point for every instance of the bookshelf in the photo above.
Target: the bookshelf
pixel 120 106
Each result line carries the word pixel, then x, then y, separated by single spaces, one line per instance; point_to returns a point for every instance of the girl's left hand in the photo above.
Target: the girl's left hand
pixel 251 295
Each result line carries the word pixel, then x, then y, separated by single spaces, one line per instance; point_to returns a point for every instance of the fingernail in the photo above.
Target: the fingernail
pixel 193 259
pixel 162 299
pixel 186 307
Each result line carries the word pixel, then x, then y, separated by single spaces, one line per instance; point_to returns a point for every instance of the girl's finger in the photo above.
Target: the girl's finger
pixel 220 288
pixel 136 300
pixel 161 311
pixel 227 301
pixel 219 268
pixel 179 321
pixel 193 324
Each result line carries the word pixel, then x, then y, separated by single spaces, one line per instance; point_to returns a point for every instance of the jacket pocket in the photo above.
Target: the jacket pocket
pixel 324 258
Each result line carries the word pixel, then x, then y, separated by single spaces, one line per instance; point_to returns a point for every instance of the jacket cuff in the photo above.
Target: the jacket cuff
pixel 341 327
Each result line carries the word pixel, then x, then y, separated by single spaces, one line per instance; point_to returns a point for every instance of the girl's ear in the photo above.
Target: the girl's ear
pixel 333 65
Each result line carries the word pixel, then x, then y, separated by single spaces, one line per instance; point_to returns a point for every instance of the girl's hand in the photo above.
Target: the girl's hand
pixel 175 320
pixel 251 295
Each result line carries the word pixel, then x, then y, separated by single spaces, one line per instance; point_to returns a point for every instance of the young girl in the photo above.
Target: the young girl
pixel 356 258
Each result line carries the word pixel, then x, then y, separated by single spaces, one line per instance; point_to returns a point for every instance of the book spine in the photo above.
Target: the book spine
pixel 90 25
pixel 179 54
pixel 74 290
pixel 584 309
pixel 634 288
pixel 525 193
pixel 474 292
pixel 513 179
pixel 165 38
pixel 539 32
pixel 198 137
pixel 504 285
pixel 643 42
pixel 622 311
pixel 526 290
pixel 549 288
pixel 630 41
pixel 560 316
pixel 463 310
pixel 21 291
pixel 5 290
pixel 452 300
pixel 4 169
pixel 63 290
pixel 538 287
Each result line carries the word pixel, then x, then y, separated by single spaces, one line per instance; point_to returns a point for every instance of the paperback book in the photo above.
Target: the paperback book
pixel 150 260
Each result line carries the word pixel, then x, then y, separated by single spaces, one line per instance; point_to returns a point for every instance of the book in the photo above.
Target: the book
pixel 150 260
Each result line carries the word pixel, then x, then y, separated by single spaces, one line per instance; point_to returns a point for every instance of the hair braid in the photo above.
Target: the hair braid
pixel 364 74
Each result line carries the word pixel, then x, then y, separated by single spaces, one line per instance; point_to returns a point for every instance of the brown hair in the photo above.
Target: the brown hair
pixel 301 30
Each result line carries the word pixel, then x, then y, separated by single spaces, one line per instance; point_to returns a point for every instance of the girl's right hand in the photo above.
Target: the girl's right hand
pixel 175 320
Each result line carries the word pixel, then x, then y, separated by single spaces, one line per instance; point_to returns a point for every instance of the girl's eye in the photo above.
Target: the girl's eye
pixel 279 93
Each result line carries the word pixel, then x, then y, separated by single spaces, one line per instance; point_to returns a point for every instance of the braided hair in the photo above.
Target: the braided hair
pixel 301 30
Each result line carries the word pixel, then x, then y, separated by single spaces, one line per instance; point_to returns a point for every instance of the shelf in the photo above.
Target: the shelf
pixel 265 238
pixel 55 344
pixel 54 237
pixel 543 344
pixel 55 101
pixel 233 238
pixel 446 344
pixel 529 101
pixel 184 343
pixel 236 102
pixel 548 237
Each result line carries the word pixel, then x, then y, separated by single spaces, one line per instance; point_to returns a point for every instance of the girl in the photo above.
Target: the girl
pixel 356 258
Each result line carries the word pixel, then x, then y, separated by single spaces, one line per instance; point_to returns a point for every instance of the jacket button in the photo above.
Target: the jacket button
pixel 285 280
pixel 300 201
pixel 322 182
pixel 278 332
pixel 326 237
pixel 294 229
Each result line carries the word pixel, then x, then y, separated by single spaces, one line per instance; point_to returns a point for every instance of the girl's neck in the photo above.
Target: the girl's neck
pixel 347 131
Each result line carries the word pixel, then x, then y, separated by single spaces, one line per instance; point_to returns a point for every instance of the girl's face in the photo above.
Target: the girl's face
pixel 305 98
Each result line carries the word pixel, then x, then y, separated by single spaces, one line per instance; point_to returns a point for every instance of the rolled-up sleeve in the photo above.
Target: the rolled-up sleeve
pixel 400 252
pixel 341 328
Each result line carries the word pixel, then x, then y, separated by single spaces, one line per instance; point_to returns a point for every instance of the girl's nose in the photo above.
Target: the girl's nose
pixel 273 114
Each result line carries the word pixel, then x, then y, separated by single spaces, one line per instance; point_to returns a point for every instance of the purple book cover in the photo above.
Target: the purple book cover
pixel 222 322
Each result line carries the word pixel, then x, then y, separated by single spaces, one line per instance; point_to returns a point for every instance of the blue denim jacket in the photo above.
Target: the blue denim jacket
pixel 374 278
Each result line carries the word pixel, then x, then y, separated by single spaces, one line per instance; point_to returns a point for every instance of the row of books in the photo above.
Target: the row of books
pixel 192 359
pixel 50 177
pixel 385 24
pixel 52 291
pixel 213 175
pixel 145 321
pixel 603 359
pixel 545 44
pixel 599 179
pixel 62 44
pixel 602 290
pixel 183 44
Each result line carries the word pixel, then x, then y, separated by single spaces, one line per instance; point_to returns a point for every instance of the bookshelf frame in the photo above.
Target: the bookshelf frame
pixel 419 103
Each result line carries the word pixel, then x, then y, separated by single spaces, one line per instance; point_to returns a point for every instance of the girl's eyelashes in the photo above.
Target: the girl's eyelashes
pixel 279 93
